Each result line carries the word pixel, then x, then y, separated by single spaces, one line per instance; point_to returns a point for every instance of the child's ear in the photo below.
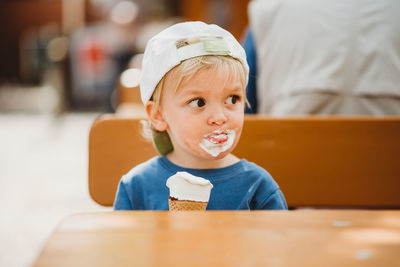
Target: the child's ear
pixel 155 115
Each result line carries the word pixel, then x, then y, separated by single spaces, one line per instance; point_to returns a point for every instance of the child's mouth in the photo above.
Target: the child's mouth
pixel 217 138
pixel 217 141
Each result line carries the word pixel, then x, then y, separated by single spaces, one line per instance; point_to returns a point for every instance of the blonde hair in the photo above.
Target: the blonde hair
pixel 191 66
pixel 186 70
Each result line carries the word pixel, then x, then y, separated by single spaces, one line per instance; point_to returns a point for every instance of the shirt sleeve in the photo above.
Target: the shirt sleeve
pixel 122 201
pixel 275 201
pixel 251 55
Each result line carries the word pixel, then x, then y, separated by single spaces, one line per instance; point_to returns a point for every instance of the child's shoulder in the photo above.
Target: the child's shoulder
pixel 257 174
pixel 253 168
pixel 142 171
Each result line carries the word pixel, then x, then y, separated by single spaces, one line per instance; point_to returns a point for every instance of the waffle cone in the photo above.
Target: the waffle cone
pixel 181 205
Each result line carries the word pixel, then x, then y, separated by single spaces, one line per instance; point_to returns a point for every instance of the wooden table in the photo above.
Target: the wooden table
pixel 226 238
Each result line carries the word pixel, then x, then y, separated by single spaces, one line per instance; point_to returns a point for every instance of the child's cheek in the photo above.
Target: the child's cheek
pixel 191 141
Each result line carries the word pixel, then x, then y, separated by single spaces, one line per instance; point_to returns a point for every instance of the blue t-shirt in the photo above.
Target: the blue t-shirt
pixel 241 186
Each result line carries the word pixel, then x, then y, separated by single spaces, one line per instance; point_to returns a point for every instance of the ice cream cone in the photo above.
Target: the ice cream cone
pixel 188 192
pixel 186 205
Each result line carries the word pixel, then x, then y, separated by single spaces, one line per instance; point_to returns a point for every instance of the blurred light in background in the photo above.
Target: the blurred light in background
pixel 57 49
pixel 124 12
pixel 130 78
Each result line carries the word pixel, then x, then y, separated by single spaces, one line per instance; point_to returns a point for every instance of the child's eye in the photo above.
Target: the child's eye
pixel 197 103
pixel 232 99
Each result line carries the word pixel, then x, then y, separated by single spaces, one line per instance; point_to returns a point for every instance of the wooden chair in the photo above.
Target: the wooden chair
pixel 335 162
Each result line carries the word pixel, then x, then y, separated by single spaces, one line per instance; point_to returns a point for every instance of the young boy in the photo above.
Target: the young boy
pixel 193 87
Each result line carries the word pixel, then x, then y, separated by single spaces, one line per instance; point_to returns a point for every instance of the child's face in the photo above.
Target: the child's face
pixel 205 115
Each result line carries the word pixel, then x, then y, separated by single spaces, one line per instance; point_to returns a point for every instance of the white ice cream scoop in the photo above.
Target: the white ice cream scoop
pixel 185 186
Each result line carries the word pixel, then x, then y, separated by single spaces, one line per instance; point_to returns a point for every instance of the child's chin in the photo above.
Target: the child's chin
pixel 219 156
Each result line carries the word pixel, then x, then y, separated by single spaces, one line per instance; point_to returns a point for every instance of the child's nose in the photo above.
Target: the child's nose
pixel 217 116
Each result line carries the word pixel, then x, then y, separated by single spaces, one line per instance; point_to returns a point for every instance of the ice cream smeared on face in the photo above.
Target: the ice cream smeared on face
pixel 218 141
pixel 185 186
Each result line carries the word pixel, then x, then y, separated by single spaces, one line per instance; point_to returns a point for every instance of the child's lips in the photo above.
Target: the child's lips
pixel 220 139
pixel 217 137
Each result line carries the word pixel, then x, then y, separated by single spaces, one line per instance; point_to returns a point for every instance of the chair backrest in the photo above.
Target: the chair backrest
pixel 339 162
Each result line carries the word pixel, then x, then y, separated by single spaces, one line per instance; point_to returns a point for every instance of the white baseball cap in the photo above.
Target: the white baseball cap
pixel 163 51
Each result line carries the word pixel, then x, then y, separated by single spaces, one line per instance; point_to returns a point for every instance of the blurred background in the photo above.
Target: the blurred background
pixel 64 62
pixel 74 51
